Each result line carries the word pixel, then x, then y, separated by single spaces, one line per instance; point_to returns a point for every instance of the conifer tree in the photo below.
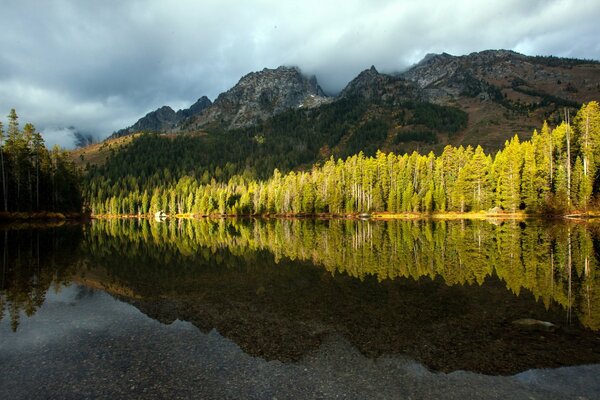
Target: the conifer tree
pixel 509 176
pixel 4 185
pixel 529 188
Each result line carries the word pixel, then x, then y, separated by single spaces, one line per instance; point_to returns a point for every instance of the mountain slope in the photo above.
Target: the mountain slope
pixel 504 92
pixel 278 118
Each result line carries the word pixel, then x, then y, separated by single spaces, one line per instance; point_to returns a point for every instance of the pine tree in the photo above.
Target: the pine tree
pixel 509 175
pixel 587 127
pixel 14 148
pixel 529 188
pixel 38 148
pixel 4 185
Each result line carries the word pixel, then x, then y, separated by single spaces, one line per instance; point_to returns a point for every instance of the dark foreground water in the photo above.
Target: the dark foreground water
pixel 300 309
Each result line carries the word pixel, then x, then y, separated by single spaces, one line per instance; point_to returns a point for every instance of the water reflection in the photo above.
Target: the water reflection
pixel 556 262
pixel 33 260
pixel 445 292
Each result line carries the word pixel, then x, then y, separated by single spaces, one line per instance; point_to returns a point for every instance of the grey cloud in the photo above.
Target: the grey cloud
pixel 99 66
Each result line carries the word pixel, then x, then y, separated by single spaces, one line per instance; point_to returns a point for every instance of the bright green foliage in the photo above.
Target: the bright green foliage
pixel 509 175
pixel 530 257
pixel 473 186
pixel 531 176
pixel 529 183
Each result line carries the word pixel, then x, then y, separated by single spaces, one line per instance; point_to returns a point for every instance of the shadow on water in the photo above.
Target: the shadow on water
pixel 445 292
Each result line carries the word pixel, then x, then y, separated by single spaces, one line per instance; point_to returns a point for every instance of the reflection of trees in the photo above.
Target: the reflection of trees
pixel 556 262
pixel 32 262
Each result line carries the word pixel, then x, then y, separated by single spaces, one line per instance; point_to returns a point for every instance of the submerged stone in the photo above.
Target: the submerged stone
pixel 535 324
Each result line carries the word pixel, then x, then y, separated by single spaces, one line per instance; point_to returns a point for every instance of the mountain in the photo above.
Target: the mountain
pixel 372 85
pixel 502 74
pixel 164 118
pixel 279 118
pixel 259 96
pixel 256 97
pixel 501 91
pixel 505 92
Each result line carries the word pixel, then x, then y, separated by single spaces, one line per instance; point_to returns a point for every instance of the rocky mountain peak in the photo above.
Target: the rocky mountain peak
pixel 370 84
pixel 502 76
pixel 200 105
pixel 489 85
pixel 164 118
pixel 260 95
pixel 431 69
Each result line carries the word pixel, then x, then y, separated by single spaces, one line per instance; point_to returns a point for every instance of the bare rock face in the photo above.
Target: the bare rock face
pixel 370 84
pixel 164 118
pixel 155 121
pixel 260 95
pixel 195 109
pixel 498 74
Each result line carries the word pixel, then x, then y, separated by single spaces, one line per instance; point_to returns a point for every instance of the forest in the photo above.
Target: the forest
pixel 553 173
pixel 291 140
pixel 35 179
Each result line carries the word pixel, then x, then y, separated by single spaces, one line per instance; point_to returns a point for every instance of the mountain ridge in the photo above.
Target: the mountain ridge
pixel 502 92
pixel 163 118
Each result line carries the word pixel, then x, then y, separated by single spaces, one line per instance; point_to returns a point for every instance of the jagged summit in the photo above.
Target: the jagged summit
pixel 500 90
pixel 433 56
pixel 371 84
pixel 164 118
pixel 260 95
pixel 257 96
pixel 196 108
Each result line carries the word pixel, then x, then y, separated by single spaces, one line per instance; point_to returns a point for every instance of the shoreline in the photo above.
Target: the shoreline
pixel 377 216
pixel 41 216
pixel 44 216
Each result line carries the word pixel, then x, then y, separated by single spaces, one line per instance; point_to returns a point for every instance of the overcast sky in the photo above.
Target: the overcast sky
pixel 98 66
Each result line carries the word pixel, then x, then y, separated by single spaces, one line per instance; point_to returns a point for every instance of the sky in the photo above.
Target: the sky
pixel 97 66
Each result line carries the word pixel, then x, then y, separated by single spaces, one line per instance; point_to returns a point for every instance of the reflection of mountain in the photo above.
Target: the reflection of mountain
pixel 258 284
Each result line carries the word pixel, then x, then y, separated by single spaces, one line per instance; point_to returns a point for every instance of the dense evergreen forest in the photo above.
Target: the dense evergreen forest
pixel 33 177
pixel 554 172
pixel 287 141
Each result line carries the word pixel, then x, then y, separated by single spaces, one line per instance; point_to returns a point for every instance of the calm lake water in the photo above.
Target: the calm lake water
pixel 236 308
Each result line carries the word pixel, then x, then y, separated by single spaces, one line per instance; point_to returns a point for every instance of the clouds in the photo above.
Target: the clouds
pixel 99 66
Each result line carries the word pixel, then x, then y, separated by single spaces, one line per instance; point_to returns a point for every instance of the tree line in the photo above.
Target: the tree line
pixel 555 172
pixel 293 139
pixel 34 178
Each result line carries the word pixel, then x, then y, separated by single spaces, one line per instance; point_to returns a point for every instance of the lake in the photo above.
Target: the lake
pixel 300 308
